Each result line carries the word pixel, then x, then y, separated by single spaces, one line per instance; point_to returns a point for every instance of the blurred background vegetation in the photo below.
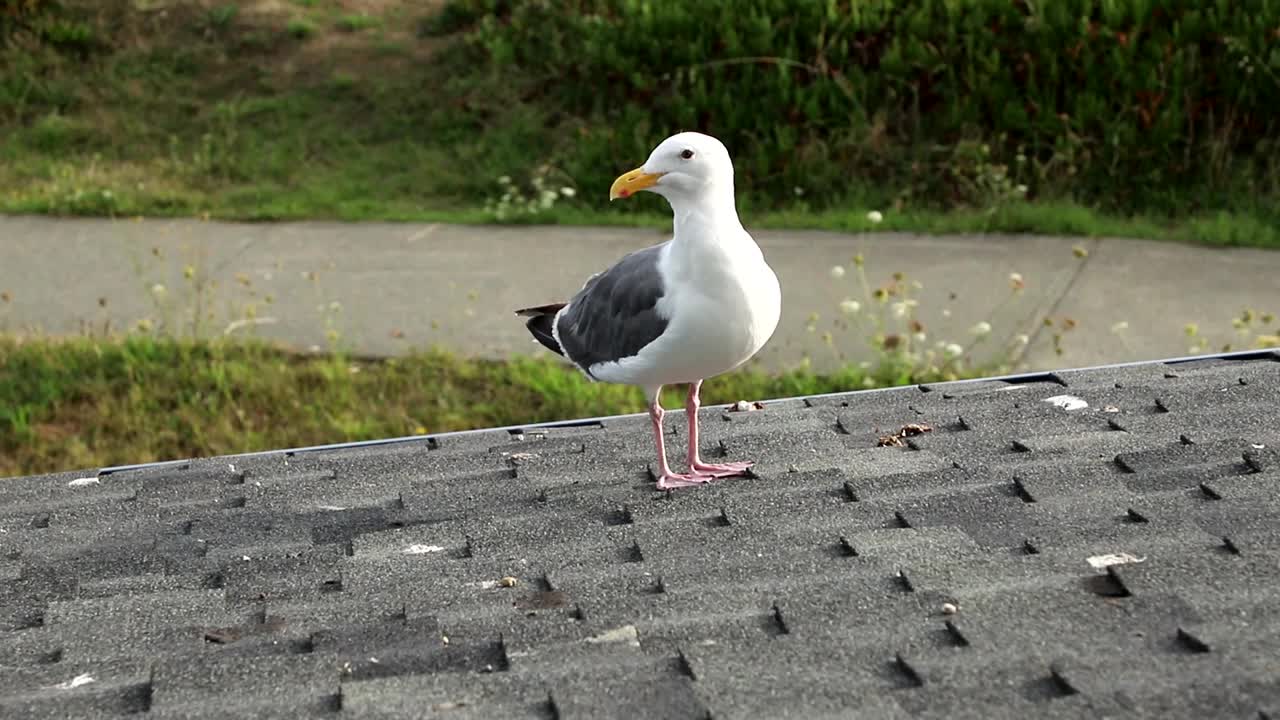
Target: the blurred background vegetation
pixel 393 109
pixel 1137 117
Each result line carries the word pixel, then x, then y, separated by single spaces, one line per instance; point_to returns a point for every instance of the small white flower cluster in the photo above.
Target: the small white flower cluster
pixel 888 317
pixel 515 201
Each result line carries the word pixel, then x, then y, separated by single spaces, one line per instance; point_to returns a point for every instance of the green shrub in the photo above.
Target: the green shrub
pixel 19 15
pixel 47 23
pixel 300 28
pixel 1126 103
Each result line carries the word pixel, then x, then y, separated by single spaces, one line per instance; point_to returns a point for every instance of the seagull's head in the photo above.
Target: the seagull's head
pixel 685 165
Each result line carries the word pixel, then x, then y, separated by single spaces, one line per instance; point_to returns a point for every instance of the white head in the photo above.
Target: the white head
pixel 686 167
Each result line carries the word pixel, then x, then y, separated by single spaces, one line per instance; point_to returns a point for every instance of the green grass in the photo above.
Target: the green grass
pixel 356 22
pixel 328 115
pixel 1225 229
pixel 80 403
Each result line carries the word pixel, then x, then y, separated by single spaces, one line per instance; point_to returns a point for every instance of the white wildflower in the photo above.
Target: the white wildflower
pixel 899 309
pixel 837 271
pixel 504 179
pixel 954 350
pixel 158 290
pixel 850 307
pixel 568 192
pixel 1119 327
pixel 980 329
pixel 875 217
pixel 1023 339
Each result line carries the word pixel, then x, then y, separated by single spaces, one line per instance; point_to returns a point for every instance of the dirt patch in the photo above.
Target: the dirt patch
pixel 278 41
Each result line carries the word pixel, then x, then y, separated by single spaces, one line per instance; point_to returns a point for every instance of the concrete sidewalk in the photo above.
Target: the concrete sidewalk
pixel 388 287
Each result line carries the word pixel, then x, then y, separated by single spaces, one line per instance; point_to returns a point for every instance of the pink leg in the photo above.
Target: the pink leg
pixel 695 463
pixel 668 480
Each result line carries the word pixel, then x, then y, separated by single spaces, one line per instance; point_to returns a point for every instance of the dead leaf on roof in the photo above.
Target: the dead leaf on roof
pixel 744 406
pixel 906 431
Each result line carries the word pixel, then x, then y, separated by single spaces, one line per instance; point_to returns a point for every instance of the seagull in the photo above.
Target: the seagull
pixel 698 305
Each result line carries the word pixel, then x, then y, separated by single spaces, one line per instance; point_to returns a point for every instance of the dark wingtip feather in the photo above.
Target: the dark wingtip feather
pixel 551 309
pixel 540 325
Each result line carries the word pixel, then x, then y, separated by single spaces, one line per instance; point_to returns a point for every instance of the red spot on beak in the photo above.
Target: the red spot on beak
pixel 624 193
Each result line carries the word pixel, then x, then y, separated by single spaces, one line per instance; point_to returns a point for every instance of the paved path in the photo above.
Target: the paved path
pixel 403 285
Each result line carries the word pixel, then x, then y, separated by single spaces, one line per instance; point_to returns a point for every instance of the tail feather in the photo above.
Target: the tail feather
pixel 540 325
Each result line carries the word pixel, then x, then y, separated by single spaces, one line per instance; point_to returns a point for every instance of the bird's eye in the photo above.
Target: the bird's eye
pixel 687 154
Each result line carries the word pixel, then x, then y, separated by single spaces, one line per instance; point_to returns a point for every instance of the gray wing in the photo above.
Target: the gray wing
pixel 615 314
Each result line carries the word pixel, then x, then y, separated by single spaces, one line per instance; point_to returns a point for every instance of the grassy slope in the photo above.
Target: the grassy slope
pixel 86 403
pixel 331 109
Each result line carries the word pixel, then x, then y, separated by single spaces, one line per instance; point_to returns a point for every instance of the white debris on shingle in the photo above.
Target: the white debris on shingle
pixel 1101 561
pixel 625 634
pixel 1067 402
pixel 75 682
pixel 81 482
pixel 422 549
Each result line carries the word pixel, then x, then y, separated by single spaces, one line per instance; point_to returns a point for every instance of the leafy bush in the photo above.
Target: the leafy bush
pixel 1126 103
pixel 45 22
pixel 13 13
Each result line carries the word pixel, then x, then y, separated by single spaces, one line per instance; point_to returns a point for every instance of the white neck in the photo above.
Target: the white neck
pixel 709 214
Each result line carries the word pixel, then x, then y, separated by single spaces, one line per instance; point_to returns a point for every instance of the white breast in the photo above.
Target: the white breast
pixel 723 304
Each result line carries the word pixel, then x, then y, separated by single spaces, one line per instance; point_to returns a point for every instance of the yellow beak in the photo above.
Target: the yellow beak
pixel 630 183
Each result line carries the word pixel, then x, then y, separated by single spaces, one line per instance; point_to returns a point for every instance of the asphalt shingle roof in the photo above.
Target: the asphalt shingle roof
pixel 1018 560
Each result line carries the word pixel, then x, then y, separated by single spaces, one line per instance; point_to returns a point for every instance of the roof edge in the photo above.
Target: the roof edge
pixel 1025 377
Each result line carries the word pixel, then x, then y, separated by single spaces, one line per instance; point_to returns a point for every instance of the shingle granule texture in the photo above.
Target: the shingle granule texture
pixel 1019 560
